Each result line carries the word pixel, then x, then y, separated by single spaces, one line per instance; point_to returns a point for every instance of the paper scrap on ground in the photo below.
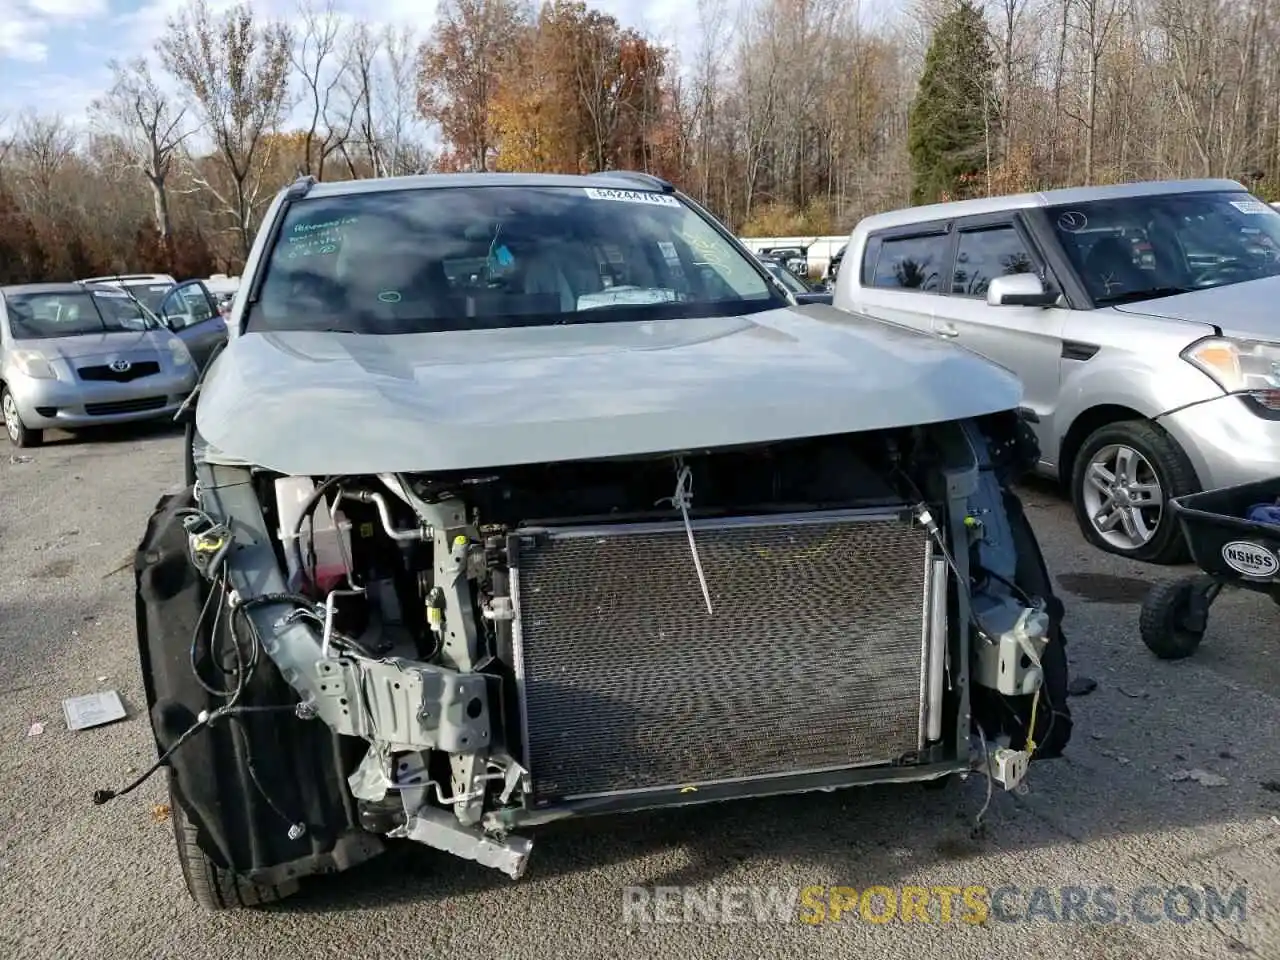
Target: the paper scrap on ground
pixel 93 710
pixel 1202 777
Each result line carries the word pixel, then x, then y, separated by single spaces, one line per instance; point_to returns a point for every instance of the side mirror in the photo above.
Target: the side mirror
pixel 1020 290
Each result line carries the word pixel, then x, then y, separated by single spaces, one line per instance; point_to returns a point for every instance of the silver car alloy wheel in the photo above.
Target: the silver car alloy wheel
pixel 11 417
pixel 1122 496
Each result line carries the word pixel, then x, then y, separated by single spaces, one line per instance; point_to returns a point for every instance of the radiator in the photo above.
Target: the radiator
pixel 811 661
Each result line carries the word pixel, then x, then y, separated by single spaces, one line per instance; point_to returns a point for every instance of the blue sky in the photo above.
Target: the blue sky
pixel 53 53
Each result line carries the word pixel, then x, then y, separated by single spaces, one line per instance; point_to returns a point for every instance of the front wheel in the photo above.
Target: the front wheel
pixel 211 885
pixel 1122 480
pixel 19 434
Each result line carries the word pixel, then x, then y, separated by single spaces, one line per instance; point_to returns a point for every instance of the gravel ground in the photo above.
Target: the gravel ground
pixel 79 881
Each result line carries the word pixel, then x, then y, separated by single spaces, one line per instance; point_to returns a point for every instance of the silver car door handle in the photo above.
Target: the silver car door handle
pixel 946 330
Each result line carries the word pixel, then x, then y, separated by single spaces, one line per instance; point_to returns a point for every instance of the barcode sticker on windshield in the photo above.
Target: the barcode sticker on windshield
pixel 1251 206
pixel 113 294
pixel 632 196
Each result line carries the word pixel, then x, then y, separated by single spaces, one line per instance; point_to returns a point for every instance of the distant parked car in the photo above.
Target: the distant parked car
pixel 149 288
pixel 195 316
pixel 795 259
pixel 1140 317
pixel 78 355
pixel 802 291
pixel 833 266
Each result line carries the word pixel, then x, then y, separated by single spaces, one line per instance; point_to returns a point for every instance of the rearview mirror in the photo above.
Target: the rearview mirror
pixel 1020 290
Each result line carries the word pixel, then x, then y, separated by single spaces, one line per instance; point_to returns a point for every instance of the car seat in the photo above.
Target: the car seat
pixel 1109 269
pixel 543 274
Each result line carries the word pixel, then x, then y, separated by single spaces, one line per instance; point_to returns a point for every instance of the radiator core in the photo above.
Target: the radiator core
pixel 812 659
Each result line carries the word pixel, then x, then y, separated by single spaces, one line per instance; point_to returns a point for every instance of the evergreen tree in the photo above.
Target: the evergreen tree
pixel 952 121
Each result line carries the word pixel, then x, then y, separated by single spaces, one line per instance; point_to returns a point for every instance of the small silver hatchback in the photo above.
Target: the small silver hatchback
pixel 75 355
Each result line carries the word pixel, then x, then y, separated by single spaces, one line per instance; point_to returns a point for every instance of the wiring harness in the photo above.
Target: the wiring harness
pixel 210 542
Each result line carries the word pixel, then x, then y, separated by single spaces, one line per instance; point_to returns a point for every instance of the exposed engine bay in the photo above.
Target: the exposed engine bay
pixel 450 658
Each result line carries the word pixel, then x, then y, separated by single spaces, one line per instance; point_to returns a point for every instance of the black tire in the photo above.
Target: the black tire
pixel 1172 468
pixel 210 885
pixel 19 434
pixel 1162 623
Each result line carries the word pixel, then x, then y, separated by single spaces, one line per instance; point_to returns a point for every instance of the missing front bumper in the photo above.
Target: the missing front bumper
pixel 815 662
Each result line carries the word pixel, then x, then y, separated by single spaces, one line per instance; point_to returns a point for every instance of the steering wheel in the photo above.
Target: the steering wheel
pixel 1221 273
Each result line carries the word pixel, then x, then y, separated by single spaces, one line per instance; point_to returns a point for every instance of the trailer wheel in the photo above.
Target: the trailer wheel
pixel 211 885
pixel 1170 624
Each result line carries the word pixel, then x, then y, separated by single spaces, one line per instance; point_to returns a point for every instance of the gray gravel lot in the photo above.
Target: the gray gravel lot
pixel 79 881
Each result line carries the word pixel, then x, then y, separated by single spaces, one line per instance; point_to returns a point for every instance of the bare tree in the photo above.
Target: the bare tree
pixel 379 96
pixel 320 63
pixel 43 147
pixel 6 143
pixel 760 86
pixel 396 104
pixel 715 28
pixel 236 73
pixel 1095 23
pixel 361 53
pixel 1011 16
pixel 147 124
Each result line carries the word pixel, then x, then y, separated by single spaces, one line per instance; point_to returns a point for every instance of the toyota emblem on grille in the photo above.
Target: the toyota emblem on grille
pixel 120 366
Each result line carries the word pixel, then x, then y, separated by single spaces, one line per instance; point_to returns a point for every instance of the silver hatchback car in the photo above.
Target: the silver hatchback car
pixel 1141 318
pixel 76 355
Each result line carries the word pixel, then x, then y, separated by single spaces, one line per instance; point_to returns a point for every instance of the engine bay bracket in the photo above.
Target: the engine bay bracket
pixel 411 705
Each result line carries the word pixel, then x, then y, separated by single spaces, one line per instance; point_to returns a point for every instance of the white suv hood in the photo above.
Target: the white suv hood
pixel 327 403
pixel 1250 310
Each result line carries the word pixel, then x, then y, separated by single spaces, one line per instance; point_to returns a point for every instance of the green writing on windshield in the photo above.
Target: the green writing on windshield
pixel 316 239
pixel 302 229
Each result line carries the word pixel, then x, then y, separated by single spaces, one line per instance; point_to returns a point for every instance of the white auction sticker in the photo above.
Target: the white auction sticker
pixel 632 196
pixel 1250 559
pixel 1251 206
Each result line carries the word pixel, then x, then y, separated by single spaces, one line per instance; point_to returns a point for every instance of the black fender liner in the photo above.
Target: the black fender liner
pixel 300 765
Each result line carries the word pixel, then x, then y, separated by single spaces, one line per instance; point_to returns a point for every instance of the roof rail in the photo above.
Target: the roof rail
pixel 301 187
pixel 648 179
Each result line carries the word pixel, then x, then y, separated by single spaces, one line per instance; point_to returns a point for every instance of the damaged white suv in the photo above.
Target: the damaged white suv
pixel 519 498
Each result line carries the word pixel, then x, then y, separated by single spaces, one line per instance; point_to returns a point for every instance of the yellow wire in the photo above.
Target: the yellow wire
pixel 1031 732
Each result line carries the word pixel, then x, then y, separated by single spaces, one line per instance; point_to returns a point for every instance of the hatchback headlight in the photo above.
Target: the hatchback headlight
pixel 33 364
pixel 181 355
pixel 1240 366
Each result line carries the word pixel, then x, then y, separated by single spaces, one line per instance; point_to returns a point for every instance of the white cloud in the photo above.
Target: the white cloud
pixel 19 38
pixel 68 9
pixel 26 24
